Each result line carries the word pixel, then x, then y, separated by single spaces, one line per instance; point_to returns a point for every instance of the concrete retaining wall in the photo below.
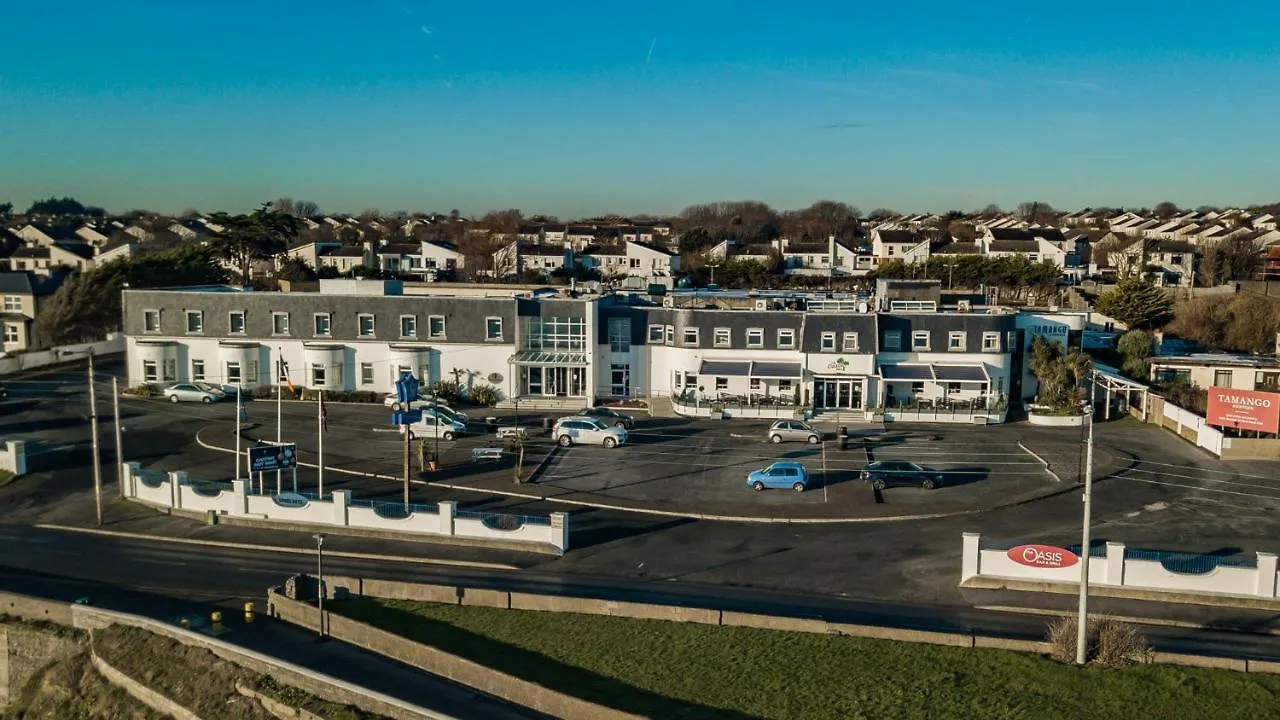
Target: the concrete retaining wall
pixel 31 608
pixel 176 494
pixel 114 344
pixel 446 665
pixel 152 699
pixel 13 457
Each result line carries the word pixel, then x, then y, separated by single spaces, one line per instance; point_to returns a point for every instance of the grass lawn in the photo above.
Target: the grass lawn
pixel 686 670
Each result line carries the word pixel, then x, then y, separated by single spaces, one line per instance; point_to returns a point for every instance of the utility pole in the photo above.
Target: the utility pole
pixel 320 581
pixel 1082 644
pixel 93 429
pixel 407 433
pixel 115 411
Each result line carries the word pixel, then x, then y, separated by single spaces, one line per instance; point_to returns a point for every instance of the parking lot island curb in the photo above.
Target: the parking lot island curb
pixel 1041 460
pixel 671 513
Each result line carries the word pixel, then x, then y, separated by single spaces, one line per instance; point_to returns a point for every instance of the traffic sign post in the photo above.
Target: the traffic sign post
pixel 407 388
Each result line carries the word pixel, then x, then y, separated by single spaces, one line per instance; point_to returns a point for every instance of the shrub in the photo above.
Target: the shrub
pixel 1111 643
pixel 145 391
pixel 262 392
pixel 448 390
pixel 485 395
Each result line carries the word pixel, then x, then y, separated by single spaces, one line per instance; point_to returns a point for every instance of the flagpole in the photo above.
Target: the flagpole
pixel 320 441
pixel 239 410
pixel 279 411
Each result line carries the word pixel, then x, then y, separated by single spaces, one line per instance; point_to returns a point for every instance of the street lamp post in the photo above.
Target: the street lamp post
pixel 320 580
pixel 1082 645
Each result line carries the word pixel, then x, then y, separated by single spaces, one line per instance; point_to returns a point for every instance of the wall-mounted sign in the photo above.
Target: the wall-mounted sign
pixel 291 500
pixel 839 365
pixel 1244 409
pixel 1042 556
pixel 264 458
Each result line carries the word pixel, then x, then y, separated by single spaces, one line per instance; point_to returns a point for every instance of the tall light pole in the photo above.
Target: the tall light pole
pixel 320 580
pixel 115 411
pixel 93 429
pixel 1082 644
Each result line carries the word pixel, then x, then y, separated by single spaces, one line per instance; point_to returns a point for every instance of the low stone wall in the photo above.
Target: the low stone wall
pixel 35 609
pixel 1056 420
pixel 143 694
pixel 13 457
pixel 443 664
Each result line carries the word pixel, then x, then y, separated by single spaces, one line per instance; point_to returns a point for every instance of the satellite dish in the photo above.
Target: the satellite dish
pixel 495 378
pixel 862 307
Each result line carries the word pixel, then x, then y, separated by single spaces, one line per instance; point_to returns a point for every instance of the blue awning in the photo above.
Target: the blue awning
pixel 726 368
pixel 961 373
pixel 777 370
pixel 906 372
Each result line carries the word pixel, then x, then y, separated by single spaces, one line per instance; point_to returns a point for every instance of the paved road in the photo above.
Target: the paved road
pixel 175 578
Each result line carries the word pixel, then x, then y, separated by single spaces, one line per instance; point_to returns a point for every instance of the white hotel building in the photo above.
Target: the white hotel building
pixel 361 334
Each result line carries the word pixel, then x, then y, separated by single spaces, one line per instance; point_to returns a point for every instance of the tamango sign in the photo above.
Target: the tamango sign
pixel 1244 409
pixel 1042 556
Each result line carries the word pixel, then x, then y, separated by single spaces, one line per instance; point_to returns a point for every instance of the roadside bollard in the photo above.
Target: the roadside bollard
pixel 185 623
pixel 215 618
pixel 248 611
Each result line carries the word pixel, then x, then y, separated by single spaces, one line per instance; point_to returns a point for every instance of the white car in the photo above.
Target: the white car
pixel 587 431
pixel 191 392
pixel 423 400
pixel 436 426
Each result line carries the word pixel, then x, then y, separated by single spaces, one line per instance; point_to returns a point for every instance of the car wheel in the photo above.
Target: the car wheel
pixel 814 439
pixel 877 484
pixel 928 484
pixel 565 441
pixel 206 399
pixel 610 442
pixel 173 398
pixel 620 425
pixel 757 486
pixel 798 487
pixel 775 439
pixel 447 436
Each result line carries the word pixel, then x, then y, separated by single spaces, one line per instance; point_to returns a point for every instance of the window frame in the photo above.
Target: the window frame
pixel 276 316
pixel 759 333
pixel 790 342
pixel 431 327
pixel 488 329
pixel 669 335
pixel 722 342
pixel 893 340
pixel 197 362
pixel 991 341
pixel 928 341
pixel 150 371
pixel 414 329
pixel 962 337
pixel 690 337
pixel 721 383
pixel 827 341
pixel 239 372
pixel 13 307
pixel 845 344
pixel 198 316
pixel 660 334
pixel 146 316
pixel 315 324
pixel 373 325
pixel 366 373
pixel 244 325
pixel 16 330
pixel 1230 377
pixel 319 375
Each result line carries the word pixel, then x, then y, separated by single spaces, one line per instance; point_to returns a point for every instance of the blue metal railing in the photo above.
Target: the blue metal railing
pixel 503 521
pixel 395 510
pixel 1186 563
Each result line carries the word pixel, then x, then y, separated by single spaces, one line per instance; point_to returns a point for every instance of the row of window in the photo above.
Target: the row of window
pixel 235 373
pixel 957 341
pixel 322 324
pixel 13 303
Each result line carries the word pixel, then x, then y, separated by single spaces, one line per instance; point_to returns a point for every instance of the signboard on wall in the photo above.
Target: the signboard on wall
pixel 1042 556
pixel 1244 409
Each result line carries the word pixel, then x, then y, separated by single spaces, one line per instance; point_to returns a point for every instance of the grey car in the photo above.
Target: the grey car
pixel 190 392
pixel 793 431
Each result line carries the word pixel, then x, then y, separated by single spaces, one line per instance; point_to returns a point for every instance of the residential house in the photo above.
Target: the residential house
pixel 399 258
pixel 45 235
pixel 1223 370
pixel 440 255
pixel 139 232
pixel 47 259
pixel 94 235
pixel 9 241
pixel 310 253
pixel 516 257
pixel 1167 262
pixel 190 229
pixel 346 258
pixel 650 260
pixel 889 244
pixel 609 260
pixel 21 296
pixel 119 246
pixel 577 237
pixel 1265 221
pixel 758 252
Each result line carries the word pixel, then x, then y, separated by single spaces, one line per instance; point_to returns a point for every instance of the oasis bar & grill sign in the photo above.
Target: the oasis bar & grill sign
pixel 1244 409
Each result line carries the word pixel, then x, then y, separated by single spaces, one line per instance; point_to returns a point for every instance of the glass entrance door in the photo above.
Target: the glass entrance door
pixel 837 394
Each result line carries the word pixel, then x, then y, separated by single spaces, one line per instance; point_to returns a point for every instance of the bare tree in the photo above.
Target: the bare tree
pixel 1166 209
pixel 991 210
pixel 882 214
pixel 1037 212
pixel 962 231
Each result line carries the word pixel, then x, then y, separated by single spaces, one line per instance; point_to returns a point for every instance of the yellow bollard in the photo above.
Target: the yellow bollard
pixel 185 623
pixel 248 611
pixel 216 617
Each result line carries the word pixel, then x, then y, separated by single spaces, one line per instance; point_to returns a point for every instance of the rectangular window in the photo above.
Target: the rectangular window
pixel 755 337
pixel 893 340
pixel 317 375
pixel 991 342
pixel 784 386
pixel 151 321
pixel 337 375
pixel 655 334
pixel 917 388
pixel 435 326
pixel 170 370
pixel 197 370
pixel 235 322
pixel 149 371
pixel 786 339
pixel 13 303
pixel 365 324
pixel 324 324
pixel 669 335
pixel 849 342
pixel 920 340
pixel 957 341
pixel 722 337
pixel 251 371
pixel 722 383
pixel 366 373
pixel 233 373
pixel 828 342
pixel 408 326
pixel 11 333
pixel 755 384
pixel 619 335
pixel 1222 378
pixel 492 329
pixel 953 388
pixel 279 323
pixel 691 337
pixel 195 321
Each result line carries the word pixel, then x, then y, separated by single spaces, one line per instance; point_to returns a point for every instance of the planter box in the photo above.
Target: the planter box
pixel 1056 420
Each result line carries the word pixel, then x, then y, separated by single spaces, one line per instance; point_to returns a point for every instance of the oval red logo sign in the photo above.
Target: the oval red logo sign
pixel 1042 556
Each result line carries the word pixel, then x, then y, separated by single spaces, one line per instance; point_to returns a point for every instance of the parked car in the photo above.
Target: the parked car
pixel 436 426
pixel 883 473
pixel 780 475
pixel 190 392
pixel 581 430
pixel 793 430
pixel 610 416
pixel 225 390
pixel 423 399
pixel 445 412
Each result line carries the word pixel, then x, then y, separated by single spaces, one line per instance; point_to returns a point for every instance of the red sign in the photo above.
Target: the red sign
pixel 1244 409
pixel 1042 556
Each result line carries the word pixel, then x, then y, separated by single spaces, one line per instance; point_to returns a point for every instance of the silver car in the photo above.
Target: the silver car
pixel 587 431
pixel 190 392
pixel 794 431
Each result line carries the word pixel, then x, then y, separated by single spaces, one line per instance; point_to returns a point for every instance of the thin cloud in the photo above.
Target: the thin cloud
pixel 1078 85
pixel 840 126
pixel 425 30
pixel 945 77
pixel 649 56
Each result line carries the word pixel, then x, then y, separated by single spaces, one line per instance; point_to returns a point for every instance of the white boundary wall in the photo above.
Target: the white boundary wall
pixel 1207 436
pixel 175 492
pixel 1117 571
pixel 40 358
pixel 13 457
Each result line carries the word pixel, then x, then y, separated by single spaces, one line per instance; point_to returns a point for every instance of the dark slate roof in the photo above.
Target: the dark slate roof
pixel 399 249
pixel 57 232
pixel 346 251
pixel 1050 234
pixel 906 372
pixel 960 373
pixel 958 248
pixel 16 283
pixel 80 249
pixel 1012 234
pixel 605 250
pixel 653 247
pixel 899 236
pixel 757 249
pixel 544 250
pixel 1173 246
pixel 443 244
pixel 581 230
pixel 797 248
pixel 1014 246
pixel 32 251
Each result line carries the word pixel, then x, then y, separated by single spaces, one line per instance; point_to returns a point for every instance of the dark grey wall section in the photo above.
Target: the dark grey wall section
pixel 939 325
pixel 862 323
pixel 637 315
pixel 464 317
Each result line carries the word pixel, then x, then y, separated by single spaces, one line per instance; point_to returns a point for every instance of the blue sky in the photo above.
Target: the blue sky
pixel 581 107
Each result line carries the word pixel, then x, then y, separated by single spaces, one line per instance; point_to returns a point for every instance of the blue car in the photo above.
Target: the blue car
pixel 781 475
